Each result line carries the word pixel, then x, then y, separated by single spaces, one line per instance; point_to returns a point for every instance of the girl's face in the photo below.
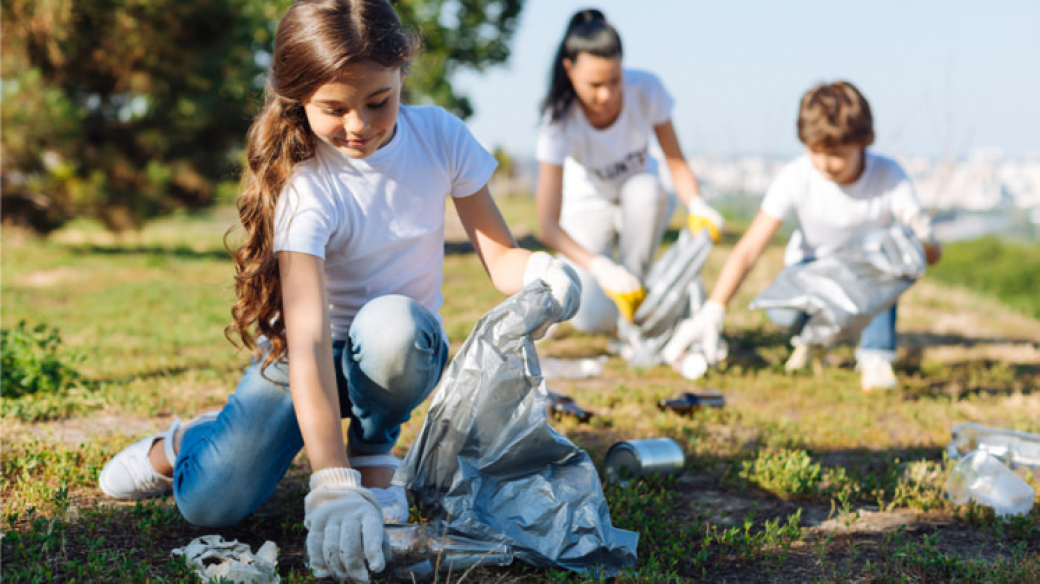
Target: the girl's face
pixel 356 113
pixel 841 164
pixel 597 83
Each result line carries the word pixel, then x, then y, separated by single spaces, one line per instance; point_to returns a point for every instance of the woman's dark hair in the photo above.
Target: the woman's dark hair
pixel 588 32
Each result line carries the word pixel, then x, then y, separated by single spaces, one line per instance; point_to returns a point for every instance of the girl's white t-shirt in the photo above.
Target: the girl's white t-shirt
pixel 831 216
pixel 378 222
pixel 597 161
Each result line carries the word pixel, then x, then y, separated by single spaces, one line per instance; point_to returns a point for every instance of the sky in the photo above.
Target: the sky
pixel 944 78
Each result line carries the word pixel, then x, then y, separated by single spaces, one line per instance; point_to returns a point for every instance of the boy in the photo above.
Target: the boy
pixel 837 192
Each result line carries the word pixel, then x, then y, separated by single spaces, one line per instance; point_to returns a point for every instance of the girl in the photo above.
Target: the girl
pixel 597 185
pixel 338 287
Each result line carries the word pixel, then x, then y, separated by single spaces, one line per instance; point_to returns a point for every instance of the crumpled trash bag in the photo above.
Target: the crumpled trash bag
pixel 843 292
pixel 674 292
pixel 214 558
pixel 487 465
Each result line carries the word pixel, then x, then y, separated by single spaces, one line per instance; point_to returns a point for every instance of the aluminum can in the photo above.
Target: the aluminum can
pixel 634 459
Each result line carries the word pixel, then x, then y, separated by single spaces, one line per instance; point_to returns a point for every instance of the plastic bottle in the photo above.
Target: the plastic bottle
pixel 1015 448
pixel 412 545
pixel 983 478
pixel 555 368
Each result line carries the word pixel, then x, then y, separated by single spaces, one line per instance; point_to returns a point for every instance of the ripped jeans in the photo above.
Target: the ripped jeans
pixel 228 467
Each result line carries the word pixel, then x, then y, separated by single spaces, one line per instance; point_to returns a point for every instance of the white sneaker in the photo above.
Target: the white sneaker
pixel 393 500
pixel 130 474
pixel 876 373
pixel 803 356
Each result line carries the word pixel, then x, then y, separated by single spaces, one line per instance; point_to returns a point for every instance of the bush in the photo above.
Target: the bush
pixel 1006 270
pixel 32 364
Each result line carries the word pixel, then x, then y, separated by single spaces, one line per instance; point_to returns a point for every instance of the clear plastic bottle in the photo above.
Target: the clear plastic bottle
pixel 1015 448
pixel 414 545
pixel 983 478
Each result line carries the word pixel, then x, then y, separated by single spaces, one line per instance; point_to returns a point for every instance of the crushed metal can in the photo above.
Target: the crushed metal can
pixel 689 402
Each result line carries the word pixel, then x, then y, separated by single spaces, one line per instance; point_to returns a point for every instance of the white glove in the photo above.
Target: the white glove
pixel 562 280
pixel 619 284
pixel 701 215
pixel 345 527
pixel 705 329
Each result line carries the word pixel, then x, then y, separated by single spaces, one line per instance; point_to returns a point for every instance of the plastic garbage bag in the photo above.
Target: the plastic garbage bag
pixel 843 292
pixel 487 465
pixel 674 293
pixel 230 561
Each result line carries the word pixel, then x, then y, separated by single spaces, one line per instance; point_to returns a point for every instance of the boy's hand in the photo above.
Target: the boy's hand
pixel 701 215
pixel 705 329
pixel 619 285
pixel 344 527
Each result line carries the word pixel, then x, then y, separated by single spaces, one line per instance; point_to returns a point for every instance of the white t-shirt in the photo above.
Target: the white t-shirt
pixel 378 222
pixel 597 161
pixel 831 216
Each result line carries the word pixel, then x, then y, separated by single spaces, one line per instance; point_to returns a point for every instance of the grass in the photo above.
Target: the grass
pixel 797 479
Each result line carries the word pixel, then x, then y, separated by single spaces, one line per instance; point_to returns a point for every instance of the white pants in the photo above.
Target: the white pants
pixel 628 232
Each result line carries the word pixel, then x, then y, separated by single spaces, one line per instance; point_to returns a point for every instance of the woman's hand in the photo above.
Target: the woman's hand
pixel 345 535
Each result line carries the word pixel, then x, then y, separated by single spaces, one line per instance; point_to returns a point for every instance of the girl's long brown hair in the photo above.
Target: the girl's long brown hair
pixel 316 39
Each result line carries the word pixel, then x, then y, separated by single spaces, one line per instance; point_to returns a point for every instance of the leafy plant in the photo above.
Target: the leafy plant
pixel 33 363
pixel 785 473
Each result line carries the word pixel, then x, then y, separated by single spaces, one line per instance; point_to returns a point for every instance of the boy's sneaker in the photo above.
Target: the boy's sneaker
pixel 803 356
pixel 876 373
pixel 130 474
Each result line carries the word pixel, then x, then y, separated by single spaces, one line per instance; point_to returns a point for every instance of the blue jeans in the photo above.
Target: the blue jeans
pixel 878 338
pixel 228 467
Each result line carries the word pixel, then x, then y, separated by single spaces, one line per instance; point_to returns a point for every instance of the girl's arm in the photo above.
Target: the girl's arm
pixel 744 256
pixel 548 200
pixel 683 180
pixel 312 378
pixel 503 261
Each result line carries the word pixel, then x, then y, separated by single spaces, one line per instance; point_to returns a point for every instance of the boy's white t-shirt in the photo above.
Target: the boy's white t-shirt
pixel 597 161
pixel 378 222
pixel 831 216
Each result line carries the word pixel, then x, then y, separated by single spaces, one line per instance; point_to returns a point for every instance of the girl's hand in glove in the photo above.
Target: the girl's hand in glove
pixel 701 215
pixel 562 280
pixel 619 285
pixel 345 527
pixel 705 329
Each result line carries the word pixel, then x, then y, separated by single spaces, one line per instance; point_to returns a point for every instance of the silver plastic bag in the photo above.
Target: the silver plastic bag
pixel 487 465
pixel 674 293
pixel 843 292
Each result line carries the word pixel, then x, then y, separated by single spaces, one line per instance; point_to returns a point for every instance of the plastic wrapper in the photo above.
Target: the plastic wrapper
pixel 216 560
pixel 1017 449
pixel 674 293
pixel 487 465
pixel 842 293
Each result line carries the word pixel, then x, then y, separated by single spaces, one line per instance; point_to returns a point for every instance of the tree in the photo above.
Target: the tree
pixel 124 110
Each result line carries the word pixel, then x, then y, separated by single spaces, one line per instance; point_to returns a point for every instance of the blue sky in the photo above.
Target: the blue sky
pixel 943 77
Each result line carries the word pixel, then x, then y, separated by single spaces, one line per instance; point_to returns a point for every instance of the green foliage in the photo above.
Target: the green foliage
pixel 130 109
pixel 456 34
pixel 785 473
pixel 1009 271
pixel 32 362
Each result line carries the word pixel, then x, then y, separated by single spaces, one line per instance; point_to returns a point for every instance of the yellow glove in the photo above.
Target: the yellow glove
pixel 619 285
pixel 701 216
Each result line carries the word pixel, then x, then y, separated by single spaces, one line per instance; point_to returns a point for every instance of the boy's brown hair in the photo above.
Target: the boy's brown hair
pixel 835 114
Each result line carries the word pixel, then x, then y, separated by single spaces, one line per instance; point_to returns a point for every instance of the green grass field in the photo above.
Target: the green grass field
pixel 797 479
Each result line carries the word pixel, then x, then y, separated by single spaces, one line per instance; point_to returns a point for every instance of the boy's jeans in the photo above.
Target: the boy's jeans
pixel 878 339
pixel 228 467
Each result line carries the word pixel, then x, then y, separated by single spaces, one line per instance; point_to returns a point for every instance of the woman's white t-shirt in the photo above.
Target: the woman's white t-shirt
pixel 831 216
pixel 378 222
pixel 597 161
